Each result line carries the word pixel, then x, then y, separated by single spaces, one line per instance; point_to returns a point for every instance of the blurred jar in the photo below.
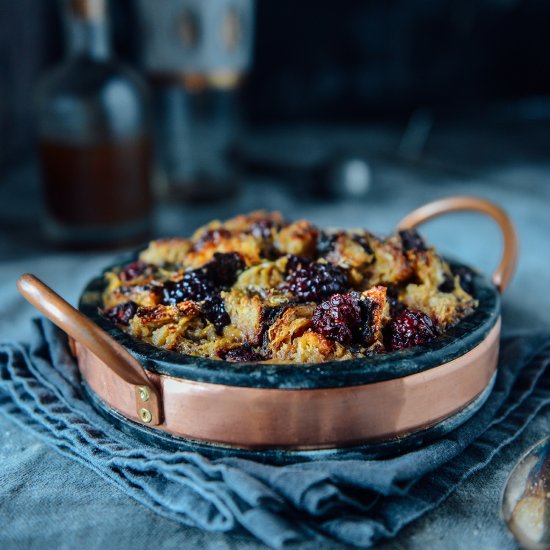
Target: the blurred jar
pixel 196 53
pixel 197 128
pixel 95 147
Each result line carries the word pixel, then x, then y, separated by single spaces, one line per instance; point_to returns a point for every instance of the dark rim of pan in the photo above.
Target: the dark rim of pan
pixel 456 341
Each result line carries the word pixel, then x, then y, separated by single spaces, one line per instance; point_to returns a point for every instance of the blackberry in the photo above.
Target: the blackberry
pixel 223 270
pixel 316 281
pixel 211 236
pixel 412 240
pixel 448 284
pixel 133 270
pixel 214 310
pixel 121 313
pixel 193 286
pixel 203 283
pixel 409 328
pixel 295 262
pixel 261 229
pixel 465 277
pixel 242 354
pixel 346 318
pixel 337 317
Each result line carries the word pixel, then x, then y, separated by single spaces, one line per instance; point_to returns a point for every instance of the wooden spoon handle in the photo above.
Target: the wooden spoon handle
pixel 88 334
pixel 504 272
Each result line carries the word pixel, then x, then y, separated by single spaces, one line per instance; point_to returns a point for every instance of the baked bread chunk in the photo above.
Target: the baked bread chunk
pixel 257 288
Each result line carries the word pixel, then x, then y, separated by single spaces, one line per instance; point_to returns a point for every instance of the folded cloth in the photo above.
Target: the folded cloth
pixel 352 499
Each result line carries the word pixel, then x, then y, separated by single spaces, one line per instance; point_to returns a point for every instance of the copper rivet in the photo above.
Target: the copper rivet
pixel 144 393
pixel 145 415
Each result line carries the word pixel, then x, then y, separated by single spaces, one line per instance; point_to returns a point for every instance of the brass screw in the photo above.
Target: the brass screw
pixel 144 393
pixel 145 415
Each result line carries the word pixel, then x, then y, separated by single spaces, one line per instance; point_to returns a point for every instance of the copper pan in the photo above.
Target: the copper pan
pixel 290 407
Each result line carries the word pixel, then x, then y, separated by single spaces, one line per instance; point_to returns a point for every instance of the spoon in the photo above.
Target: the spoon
pixel 525 505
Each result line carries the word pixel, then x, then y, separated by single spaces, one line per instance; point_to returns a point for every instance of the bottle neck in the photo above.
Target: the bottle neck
pixel 88 35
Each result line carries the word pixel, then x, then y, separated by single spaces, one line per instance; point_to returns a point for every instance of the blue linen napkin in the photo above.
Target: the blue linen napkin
pixel 353 500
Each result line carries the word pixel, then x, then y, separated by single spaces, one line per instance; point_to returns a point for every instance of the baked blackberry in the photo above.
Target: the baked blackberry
pixel 121 313
pixel 201 284
pixel 242 354
pixel 345 318
pixel 223 270
pixel 211 236
pixel 214 310
pixel 134 270
pixel 338 317
pixel 465 276
pixel 448 284
pixel 412 240
pixel 316 281
pixel 262 229
pixel 409 328
pixel 295 262
pixel 194 285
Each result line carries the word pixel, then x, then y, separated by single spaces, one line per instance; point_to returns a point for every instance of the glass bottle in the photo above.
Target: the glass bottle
pixel 197 129
pixel 195 56
pixel 94 142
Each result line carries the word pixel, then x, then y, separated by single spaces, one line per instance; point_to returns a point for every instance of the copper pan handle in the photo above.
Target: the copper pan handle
pixel 507 266
pixel 88 334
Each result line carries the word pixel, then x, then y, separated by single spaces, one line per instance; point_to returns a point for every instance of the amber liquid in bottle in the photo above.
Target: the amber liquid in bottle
pixel 105 185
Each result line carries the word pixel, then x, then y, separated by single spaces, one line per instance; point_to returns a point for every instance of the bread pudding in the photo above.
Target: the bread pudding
pixel 259 288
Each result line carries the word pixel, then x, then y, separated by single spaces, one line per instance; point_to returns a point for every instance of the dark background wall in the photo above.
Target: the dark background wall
pixel 355 60
pixel 324 60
